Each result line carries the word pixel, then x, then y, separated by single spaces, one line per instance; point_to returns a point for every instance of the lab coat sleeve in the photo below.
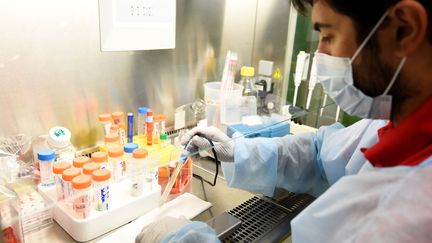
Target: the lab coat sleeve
pixel 385 205
pixel 192 232
pixel 291 162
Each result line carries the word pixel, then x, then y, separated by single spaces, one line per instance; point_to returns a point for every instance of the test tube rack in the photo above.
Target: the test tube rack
pixel 123 209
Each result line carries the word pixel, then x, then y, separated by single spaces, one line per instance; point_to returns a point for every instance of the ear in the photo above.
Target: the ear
pixel 410 22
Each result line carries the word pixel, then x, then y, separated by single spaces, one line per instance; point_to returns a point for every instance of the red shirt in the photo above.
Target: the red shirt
pixel 408 143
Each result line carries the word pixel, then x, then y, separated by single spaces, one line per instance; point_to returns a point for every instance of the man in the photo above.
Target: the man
pixel 374 59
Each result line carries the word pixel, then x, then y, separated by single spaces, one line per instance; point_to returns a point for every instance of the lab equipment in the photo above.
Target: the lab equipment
pixel 112 141
pixel 142 119
pixel 130 133
pixel 114 129
pixel 248 81
pixel 302 67
pixel 149 127
pixel 46 160
pixel 269 127
pixel 105 120
pixel 137 171
pixel 229 71
pixel 312 82
pixel 79 162
pixel 10 221
pixel 128 155
pixel 118 165
pixel 101 158
pixel 90 167
pixel 117 117
pixel 58 169
pixel 59 141
pixel 224 224
pixel 214 96
pixel 151 172
pixel 101 181
pixel 82 198
pixel 223 144
pixel 67 177
pixel 122 133
pixel 158 127
pixel 265 71
pixel 163 140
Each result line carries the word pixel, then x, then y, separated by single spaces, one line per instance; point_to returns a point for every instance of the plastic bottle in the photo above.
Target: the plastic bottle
pixel 137 171
pixel 115 159
pixel 67 177
pixel 105 120
pixel 101 187
pixel 112 141
pixel 59 141
pixel 82 196
pixel 101 158
pixel 142 119
pixel 149 126
pixel 46 160
pixel 79 162
pixel 248 81
pixel 128 150
pixel 58 169
pixel 117 117
pixel 163 140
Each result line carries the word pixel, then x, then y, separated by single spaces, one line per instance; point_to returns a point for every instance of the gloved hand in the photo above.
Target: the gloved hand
pixel 224 146
pixel 157 230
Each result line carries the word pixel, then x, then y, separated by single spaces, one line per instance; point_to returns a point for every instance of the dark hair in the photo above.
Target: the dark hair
pixel 364 13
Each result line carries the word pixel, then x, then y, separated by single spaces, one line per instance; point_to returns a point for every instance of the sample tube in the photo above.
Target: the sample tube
pixel 67 177
pixel 101 158
pixel 58 169
pixel 128 150
pixel 90 167
pixel 142 119
pixel 105 120
pixel 112 141
pixel 130 127
pixel 82 196
pixel 163 140
pixel 122 133
pixel 79 162
pixel 46 160
pixel 149 125
pixel 114 129
pixel 101 180
pixel 117 117
pixel 115 159
pixel 137 171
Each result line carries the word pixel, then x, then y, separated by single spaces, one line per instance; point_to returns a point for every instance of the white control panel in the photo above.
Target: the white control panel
pixel 137 24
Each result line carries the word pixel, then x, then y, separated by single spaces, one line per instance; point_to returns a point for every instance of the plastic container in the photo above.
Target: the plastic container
pixel 149 127
pixel 151 171
pixel 105 120
pixel 82 199
pixel 163 138
pixel 248 81
pixel 90 167
pixel 59 141
pixel 79 162
pixel 46 160
pixel 58 169
pixel 117 117
pixel 114 129
pixel 137 168
pixel 122 133
pixel 214 97
pixel 67 177
pixel 118 165
pixel 112 141
pixel 10 220
pixel 101 179
pixel 141 121
pixel 128 150
pixel 101 158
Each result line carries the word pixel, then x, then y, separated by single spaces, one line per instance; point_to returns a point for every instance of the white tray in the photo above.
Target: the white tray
pixel 124 208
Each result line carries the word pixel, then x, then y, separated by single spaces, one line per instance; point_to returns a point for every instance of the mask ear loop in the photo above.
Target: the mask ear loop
pixel 369 36
pixel 401 64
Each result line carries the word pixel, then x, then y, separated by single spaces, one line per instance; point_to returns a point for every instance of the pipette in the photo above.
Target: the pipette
pixel 181 161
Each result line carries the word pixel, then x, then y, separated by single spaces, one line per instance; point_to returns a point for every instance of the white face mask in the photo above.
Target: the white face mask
pixel 336 76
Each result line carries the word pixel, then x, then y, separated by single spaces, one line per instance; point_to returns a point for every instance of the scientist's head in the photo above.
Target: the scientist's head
pixel 397 34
